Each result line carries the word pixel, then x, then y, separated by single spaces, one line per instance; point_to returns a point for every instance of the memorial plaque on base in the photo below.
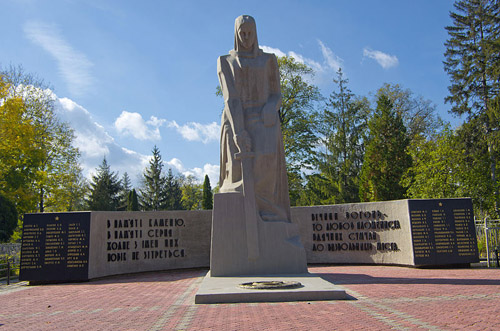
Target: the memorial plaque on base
pixel 55 247
pixel 443 231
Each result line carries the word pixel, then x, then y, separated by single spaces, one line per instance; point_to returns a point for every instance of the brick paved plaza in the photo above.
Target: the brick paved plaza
pixel 382 297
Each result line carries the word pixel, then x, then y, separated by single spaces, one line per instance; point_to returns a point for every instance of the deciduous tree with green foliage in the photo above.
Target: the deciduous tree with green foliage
pixel 191 193
pixel 38 165
pixel 418 114
pixel 207 199
pixel 79 189
pixel 297 117
pixel 451 164
pixel 435 172
pixel 104 189
pixel 473 65
pixel 19 158
pixel 386 158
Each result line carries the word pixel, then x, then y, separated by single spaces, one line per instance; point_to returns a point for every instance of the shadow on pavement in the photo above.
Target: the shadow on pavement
pixel 353 279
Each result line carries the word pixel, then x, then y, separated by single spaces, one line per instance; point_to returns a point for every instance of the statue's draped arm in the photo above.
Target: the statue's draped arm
pixel 232 103
pixel 270 111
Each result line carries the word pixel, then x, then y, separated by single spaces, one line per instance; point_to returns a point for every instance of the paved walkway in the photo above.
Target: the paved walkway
pixel 382 298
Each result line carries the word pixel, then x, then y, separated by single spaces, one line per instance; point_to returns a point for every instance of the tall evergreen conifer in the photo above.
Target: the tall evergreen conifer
pixel 132 201
pixel 473 64
pixel 207 200
pixel 154 193
pixel 104 189
pixel 386 159
pixel 173 192
pixel 125 191
pixel 342 126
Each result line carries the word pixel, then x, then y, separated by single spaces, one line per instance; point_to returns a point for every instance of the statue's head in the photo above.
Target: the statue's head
pixel 245 35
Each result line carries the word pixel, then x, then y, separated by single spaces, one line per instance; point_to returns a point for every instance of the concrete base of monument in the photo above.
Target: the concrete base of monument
pixel 279 249
pixel 228 290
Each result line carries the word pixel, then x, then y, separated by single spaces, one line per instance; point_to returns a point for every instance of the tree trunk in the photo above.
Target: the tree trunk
pixel 41 200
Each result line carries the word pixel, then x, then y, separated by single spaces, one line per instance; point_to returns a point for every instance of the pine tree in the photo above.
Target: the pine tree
pixel 473 64
pixel 173 192
pixel 342 126
pixel 154 193
pixel 386 158
pixel 104 189
pixel 207 200
pixel 132 201
pixel 125 191
pixel 126 184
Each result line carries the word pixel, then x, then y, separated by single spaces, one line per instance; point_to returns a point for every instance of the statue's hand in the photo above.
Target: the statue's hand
pixel 243 141
pixel 269 115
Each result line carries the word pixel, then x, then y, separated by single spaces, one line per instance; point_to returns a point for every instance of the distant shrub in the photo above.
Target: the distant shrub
pixel 8 218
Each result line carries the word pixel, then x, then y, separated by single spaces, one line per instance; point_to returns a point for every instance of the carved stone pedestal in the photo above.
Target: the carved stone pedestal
pixel 279 248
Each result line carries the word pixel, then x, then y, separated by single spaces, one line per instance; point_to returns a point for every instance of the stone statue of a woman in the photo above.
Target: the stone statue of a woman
pixel 252 232
pixel 250 84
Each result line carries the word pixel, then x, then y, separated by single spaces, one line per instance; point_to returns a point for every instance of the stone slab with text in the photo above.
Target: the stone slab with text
pixel 85 245
pixel 404 232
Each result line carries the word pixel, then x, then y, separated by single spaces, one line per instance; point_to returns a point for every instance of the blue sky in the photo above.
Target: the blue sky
pixel 129 75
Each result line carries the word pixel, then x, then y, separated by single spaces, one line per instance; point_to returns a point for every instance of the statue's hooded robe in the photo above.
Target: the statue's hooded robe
pixel 250 84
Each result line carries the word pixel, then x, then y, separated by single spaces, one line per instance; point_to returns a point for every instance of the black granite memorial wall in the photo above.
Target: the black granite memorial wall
pixel 55 247
pixel 443 231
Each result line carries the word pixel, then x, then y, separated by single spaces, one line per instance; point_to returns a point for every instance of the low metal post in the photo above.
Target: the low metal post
pixel 8 272
pixel 496 253
pixel 487 242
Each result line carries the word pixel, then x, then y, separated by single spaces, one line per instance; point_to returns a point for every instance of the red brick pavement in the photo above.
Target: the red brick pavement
pixel 382 298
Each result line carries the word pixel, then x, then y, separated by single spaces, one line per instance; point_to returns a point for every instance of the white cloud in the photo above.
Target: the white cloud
pixel 316 66
pixel 133 124
pixel 91 138
pixel 94 142
pixel 199 173
pixel 193 131
pixel 385 60
pixel 176 164
pixel 155 121
pixel 208 169
pixel 73 65
pixel 272 50
pixel 332 60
